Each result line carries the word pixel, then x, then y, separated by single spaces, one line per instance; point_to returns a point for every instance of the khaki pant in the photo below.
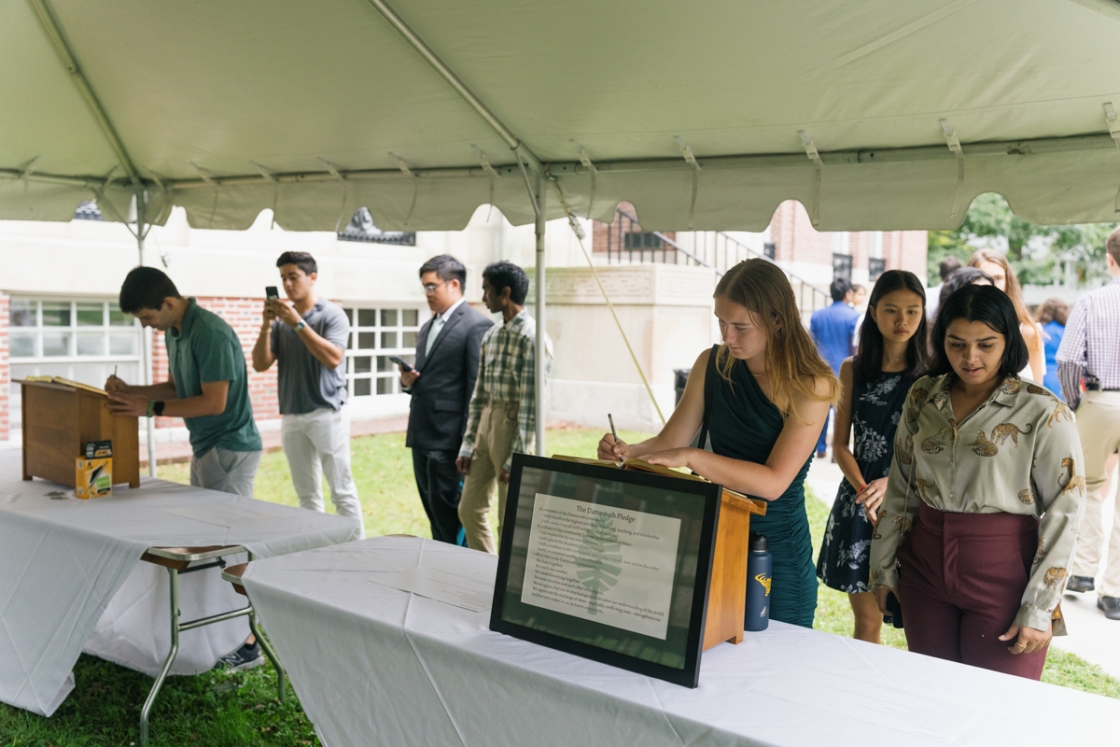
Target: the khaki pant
pixel 496 430
pixel 225 470
pixel 1098 424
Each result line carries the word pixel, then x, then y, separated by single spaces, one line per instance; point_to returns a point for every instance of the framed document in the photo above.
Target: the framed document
pixel 607 564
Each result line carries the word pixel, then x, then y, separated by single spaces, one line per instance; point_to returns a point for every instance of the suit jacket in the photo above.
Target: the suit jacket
pixel 438 414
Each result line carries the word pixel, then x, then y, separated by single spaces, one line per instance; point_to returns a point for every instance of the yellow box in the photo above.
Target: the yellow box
pixel 93 478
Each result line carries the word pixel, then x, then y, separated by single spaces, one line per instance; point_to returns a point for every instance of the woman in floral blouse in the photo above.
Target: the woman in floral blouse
pixel 984 498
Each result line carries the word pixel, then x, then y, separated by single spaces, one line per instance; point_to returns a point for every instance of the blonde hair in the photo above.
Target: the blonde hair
pixel 792 360
pixel 1014 290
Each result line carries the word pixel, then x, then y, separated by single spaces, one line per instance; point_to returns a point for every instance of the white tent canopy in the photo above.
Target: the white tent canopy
pixel 316 109
pixel 875 115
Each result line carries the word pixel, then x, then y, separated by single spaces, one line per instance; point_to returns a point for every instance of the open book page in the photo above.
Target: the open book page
pixel 65 382
pixel 640 465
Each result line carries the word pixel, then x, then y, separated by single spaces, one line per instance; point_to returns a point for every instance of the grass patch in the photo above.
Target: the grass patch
pixel 220 709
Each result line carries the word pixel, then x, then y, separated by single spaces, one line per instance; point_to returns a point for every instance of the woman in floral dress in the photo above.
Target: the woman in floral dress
pixel 874 384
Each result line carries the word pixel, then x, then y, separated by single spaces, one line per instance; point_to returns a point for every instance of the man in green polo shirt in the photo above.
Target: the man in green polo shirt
pixel 207 383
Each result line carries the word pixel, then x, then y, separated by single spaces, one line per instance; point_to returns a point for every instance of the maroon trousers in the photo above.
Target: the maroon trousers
pixel 961 583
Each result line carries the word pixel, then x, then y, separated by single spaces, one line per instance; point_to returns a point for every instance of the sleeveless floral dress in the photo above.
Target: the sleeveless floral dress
pixel 876 408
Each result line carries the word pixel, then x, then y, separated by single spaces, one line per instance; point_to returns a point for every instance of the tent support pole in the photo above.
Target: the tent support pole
pixel 539 298
pixel 146 332
pixel 445 72
pixel 50 27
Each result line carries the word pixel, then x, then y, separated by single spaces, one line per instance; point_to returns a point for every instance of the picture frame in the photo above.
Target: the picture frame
pixel 589 564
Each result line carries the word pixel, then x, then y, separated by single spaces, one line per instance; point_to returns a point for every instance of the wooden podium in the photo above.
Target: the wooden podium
pixel 58 419
pixel 727 591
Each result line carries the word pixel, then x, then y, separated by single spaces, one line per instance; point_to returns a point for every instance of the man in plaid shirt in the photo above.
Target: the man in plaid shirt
pixel 502 416
pixel 1090 350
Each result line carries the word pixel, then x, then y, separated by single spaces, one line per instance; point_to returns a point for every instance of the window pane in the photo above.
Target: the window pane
pixel 349 315
pixel 388 317
pixel 384 386
pixel 362 387
pixel 384 364
pixel 22 345
pixel 56 343
pixel 123 344
pixel 56 314
pixel 363 364
pixel 388 339
pixel 367 340
pixel 91 314
pixel 408 339
pixel 118 318
pixel 22 313
pixel 367 317
pixel 410 317
pixel 91 343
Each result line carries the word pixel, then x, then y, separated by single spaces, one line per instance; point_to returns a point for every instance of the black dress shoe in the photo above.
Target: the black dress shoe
pixel 1110 605
pixel 1080 584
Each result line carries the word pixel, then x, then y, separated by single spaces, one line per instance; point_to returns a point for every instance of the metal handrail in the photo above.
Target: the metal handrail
pixel 670 242
pixel 740 249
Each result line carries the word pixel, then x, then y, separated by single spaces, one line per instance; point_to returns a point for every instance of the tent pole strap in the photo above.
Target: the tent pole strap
pixel 145 334
pixel 539 298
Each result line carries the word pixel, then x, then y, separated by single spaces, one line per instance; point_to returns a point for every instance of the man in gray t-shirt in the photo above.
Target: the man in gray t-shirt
pixel 307 337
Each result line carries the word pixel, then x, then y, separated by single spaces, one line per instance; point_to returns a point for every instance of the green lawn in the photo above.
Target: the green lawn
pixel 241 710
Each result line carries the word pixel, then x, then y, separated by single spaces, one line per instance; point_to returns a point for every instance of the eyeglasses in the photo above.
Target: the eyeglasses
pixel 430 288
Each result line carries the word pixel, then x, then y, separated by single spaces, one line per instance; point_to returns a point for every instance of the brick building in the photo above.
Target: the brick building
pixel 58 291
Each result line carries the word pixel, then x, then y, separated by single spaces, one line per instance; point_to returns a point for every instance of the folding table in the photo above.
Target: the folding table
pixel 71 578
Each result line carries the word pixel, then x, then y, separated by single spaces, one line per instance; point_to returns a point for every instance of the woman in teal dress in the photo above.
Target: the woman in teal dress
pixel 758 402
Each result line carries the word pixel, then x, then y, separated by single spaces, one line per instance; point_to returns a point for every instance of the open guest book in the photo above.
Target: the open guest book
pixel 632 564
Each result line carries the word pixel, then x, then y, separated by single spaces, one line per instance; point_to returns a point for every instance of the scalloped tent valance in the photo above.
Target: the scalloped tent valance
pixel 316 109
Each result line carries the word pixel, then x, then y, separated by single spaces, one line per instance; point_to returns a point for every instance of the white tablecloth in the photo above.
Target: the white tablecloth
pixel 374 665
pixel 70 576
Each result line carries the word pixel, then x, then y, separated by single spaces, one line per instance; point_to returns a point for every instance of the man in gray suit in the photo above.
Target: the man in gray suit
pixel 441 385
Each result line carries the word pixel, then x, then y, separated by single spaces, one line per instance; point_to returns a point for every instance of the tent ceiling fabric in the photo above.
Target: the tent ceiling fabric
pixel 208 97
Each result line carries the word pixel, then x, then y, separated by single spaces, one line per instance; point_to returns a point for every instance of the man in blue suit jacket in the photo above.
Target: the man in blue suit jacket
pixel 833 328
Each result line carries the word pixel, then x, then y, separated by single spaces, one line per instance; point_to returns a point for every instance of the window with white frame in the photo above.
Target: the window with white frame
pixel 83 340
pixel 375 335
pixel 841 243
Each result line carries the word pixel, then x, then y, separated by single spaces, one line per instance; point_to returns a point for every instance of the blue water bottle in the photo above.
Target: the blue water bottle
pixel 760 564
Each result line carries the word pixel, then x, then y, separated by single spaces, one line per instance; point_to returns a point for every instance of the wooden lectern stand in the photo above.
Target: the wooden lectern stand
pixel 727 592
pixel 58 419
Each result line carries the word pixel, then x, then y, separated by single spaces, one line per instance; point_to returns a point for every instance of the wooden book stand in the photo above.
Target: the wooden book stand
pixel 727 591
pixel 58 420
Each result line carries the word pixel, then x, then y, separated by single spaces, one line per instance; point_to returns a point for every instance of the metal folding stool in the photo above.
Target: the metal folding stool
pixel 177 560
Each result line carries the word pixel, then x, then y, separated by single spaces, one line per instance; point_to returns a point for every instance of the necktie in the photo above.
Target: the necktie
pixel 437 325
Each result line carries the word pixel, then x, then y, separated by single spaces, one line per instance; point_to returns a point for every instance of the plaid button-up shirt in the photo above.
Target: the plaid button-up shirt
pixel 1091 343
pixel 505 374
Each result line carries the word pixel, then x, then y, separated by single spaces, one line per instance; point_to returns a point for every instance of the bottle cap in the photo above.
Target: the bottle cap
pixel 759 543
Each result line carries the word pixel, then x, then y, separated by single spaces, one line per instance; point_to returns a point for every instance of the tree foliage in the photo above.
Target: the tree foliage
pixel 1037 253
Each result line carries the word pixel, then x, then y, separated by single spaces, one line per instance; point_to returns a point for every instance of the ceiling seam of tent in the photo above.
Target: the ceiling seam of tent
pixel 1021 148
pixel 54 34
pixel 483 111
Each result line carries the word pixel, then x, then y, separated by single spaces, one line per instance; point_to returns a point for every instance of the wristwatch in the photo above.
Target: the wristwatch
pixel 301 325
pixel 157 408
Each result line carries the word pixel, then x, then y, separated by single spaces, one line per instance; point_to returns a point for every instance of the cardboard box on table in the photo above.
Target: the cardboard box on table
pixel 58 419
